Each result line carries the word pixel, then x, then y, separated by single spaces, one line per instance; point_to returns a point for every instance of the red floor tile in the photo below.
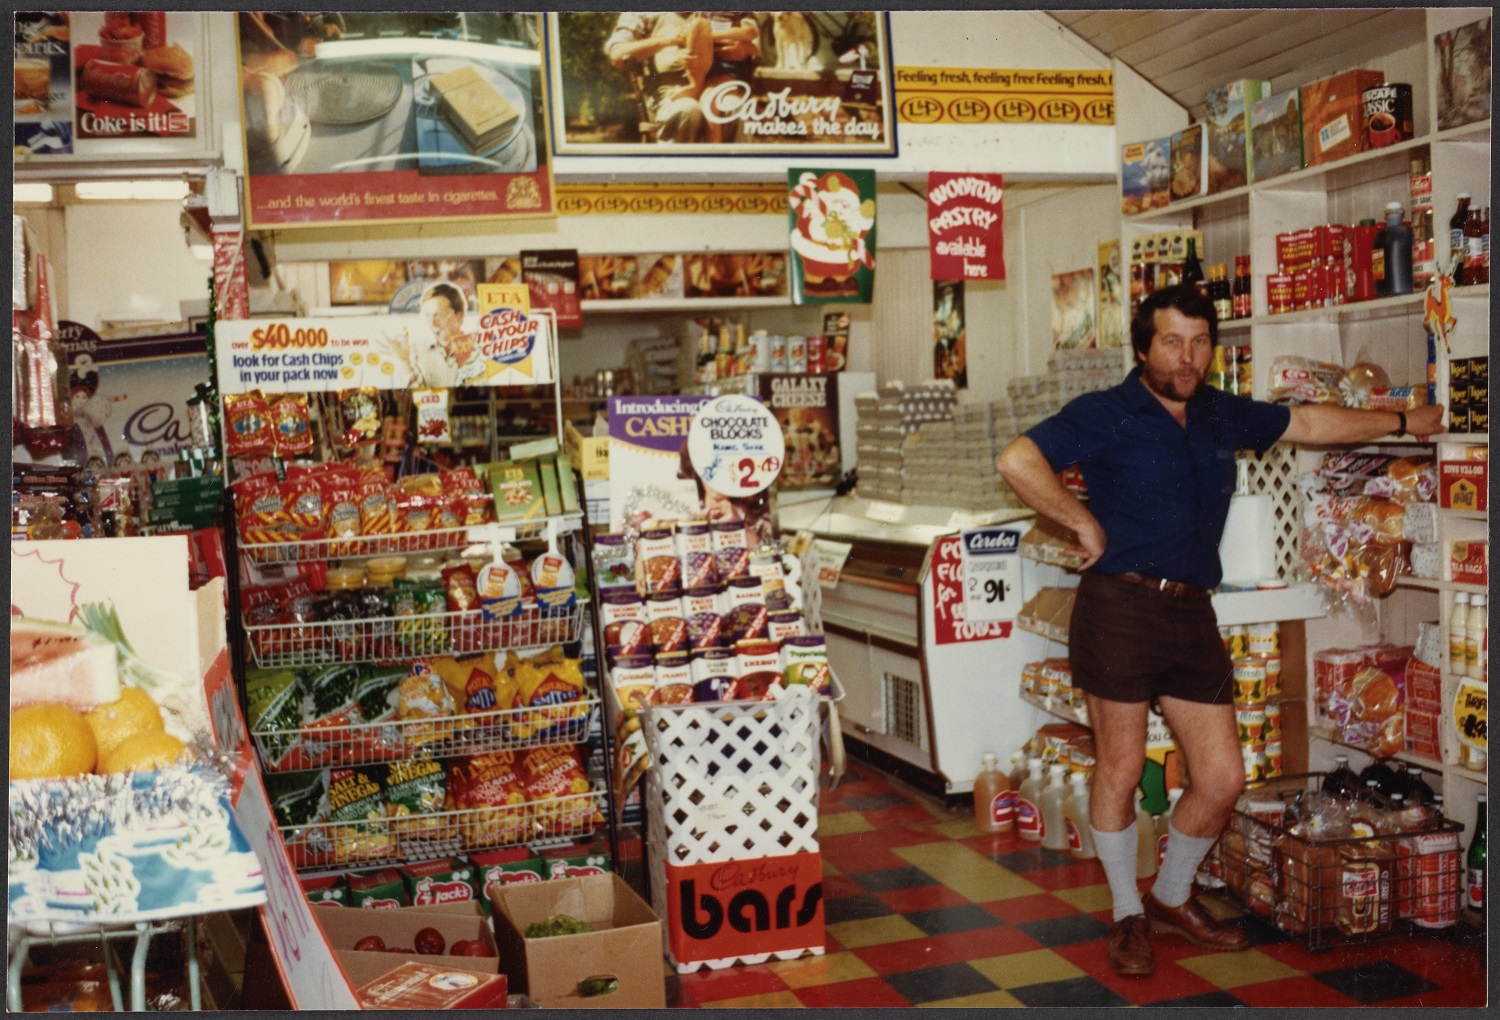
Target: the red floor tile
pixel 1093 959
pixel 871 991
pixel 1168 982
pixel 731 983
pixel 1441 963
pixel 835 886
pixel 923 897
pixel 940 950
pixel 1070 876
pixel 909 814
pixel 995 842
pixel 1297 991
pixel 1039 907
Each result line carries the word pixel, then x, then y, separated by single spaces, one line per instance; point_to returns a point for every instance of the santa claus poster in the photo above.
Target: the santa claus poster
pixel 832 235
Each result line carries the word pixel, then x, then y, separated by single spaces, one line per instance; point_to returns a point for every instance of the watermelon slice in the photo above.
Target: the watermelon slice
pixel 60 663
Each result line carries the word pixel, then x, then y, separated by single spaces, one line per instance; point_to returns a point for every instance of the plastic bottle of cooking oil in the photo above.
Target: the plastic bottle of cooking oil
pixel 1029 821
pixel 994 804
pixel 1076 818
pixel 1054 828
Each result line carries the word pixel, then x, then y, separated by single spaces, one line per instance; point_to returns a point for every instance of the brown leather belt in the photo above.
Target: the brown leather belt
pixel 1176 589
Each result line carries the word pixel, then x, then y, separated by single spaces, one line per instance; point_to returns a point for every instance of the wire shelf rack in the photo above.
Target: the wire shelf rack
pixel 442 834
pixel 356 546
pixel 406 638
pixel 453 736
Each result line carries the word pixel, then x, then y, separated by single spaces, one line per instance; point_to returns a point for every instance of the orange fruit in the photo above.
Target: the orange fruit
pixel 49 741
pixel 118 721
pixel 144 752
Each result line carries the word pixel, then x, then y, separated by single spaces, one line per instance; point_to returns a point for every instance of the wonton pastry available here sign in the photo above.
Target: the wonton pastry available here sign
pixel 965 226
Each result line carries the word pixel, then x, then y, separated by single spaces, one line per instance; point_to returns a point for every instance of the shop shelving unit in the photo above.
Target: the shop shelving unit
pixel 1388 331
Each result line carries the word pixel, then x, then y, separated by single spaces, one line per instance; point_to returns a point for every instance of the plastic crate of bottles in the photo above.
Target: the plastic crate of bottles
pixel 1337 869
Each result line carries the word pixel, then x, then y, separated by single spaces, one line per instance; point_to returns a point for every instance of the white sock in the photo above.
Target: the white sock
pixel 1174 879
pixel 1116 852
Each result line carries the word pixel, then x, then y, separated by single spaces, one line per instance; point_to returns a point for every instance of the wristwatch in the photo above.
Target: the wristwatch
pixel 1401 429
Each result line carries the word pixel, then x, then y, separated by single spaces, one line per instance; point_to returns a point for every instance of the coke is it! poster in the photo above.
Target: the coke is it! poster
pixel 440 348
pixel 381 117
pixel 832 235
pixel 965 226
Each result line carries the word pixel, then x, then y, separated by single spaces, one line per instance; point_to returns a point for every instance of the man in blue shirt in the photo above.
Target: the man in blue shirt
pixel 1157 453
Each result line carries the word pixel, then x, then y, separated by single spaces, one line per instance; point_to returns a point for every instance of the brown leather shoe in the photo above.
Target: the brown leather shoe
pixel 1130 947
pixel 1193 923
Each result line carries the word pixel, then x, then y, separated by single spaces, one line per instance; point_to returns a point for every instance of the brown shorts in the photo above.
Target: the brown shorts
pixel 1129 643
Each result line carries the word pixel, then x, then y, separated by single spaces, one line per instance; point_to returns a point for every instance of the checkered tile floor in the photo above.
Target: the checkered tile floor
pixel 922 911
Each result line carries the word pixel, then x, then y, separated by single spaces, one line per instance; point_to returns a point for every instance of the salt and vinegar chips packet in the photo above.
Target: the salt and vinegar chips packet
pixel 356 812
pixel 413 788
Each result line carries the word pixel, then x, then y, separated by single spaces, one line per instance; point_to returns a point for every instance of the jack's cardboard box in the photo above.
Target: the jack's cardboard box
pixel 1228 128
pixel 625 945
pixel 1275 136
pixel 1333 116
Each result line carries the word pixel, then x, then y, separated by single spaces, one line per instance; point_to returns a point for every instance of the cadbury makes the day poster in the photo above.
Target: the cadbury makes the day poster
pixel 720 82
pixel 832 215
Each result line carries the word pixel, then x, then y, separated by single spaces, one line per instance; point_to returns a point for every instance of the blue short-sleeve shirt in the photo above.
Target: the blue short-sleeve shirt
pixel 1160 491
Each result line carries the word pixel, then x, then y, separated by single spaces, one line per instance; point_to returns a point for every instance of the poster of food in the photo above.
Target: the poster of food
pixel 441 347
pixel 381 117
pixel 807 409
pixel 552 279
pixel 1073 322
pixel 965 226
pixel 736 274
pixel 1463 61
pixel 129 396
pixel 950 357
pixel 135 73
pixel 832 215
pixel 721 82
pixel 365 281
pixel 1112 304
pixel 43 111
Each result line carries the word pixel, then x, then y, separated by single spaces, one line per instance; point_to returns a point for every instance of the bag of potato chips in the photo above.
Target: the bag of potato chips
pixel 554 779
pixel 490 789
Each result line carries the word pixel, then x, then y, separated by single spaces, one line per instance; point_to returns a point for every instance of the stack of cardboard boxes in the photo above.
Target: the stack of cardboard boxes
pixel 886 418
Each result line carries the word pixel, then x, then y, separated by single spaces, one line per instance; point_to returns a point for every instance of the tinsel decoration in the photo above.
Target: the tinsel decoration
pixel 211 395
pixel 659 497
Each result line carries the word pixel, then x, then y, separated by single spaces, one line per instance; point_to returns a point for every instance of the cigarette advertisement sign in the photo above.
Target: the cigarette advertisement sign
pixel 721 82
pixel 832 216
pixel 439 348
pixel 966 226
pixel 993 95
pixel 368 117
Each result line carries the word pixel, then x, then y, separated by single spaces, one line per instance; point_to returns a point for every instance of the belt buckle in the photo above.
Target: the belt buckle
pixel 1161 585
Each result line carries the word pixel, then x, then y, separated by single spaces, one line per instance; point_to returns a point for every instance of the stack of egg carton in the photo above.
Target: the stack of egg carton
pixel 886 417
pixel 1070 373
pixel 953 463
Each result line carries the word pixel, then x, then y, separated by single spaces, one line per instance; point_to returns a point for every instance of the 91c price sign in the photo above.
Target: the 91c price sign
pixel 992 574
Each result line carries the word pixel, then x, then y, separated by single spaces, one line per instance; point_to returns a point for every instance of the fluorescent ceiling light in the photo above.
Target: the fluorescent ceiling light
pixel 41 193
pixel 116 191
pixel 406 47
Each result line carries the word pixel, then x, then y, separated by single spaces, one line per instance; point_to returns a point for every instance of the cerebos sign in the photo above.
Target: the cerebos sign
pixel 950 622
pixel 731 909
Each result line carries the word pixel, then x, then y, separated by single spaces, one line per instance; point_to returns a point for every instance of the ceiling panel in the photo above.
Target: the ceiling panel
pixel 1186 52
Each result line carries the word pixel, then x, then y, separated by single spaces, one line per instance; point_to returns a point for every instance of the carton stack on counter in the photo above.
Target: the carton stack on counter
pixel 886 418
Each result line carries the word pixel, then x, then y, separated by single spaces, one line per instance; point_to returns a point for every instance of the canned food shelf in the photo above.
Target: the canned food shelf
pixel 406 638
pixel 452 736
pixel 1338 891
pixel 421 837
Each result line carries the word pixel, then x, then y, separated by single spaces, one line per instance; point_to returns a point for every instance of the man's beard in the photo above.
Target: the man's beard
pixel 1170 385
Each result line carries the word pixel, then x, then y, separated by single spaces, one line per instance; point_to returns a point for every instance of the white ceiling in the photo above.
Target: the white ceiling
pixel 1187 52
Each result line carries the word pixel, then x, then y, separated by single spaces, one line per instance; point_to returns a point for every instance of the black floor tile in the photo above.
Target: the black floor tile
pixel 1066 931
pixel 1203 1000
pixel 1376 981
pixel 873 801
pixel 935 983
pixel 959 917
pixel 853 908
pixel 1259 931
pixel 893 878
pixel 1079 991
pixel 1022 861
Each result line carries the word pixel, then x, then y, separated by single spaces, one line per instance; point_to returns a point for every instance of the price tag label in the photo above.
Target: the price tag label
pixel 992 574
pixel 1471 714
pixel 831 559
pixel 886 513
pixel 737 447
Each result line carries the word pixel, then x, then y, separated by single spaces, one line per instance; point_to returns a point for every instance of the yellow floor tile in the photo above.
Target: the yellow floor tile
pixel 874 931
pixel 1087 898
pixel 957 828
pixel 1230 970
pixel 966 871
pixel 994 1000
pixel 841 823
pixel 766 1000
pixel 1020 969
pixel 829 868
pixel 821 970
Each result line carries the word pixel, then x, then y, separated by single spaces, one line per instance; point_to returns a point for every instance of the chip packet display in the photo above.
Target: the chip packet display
pixel 490 791
pixel 291 424
pixel 299 801
pixel 423 696
pixel 356 813
pixel 247 425
pixel 554 779
pixel 414 788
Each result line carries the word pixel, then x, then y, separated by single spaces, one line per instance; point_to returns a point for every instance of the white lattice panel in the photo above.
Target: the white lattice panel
pixel 1275 474
pixel 731 781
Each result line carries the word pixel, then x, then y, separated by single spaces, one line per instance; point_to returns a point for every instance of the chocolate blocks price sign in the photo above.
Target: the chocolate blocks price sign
pixel 736 445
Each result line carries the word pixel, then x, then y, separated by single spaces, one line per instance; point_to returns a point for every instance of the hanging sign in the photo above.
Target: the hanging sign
pixel 965 226
pixel 992 574
pixel 441 348
pixel 951 624
pixel 832 235
pixel 1471 714
pixel 736 445
pixel 992 95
